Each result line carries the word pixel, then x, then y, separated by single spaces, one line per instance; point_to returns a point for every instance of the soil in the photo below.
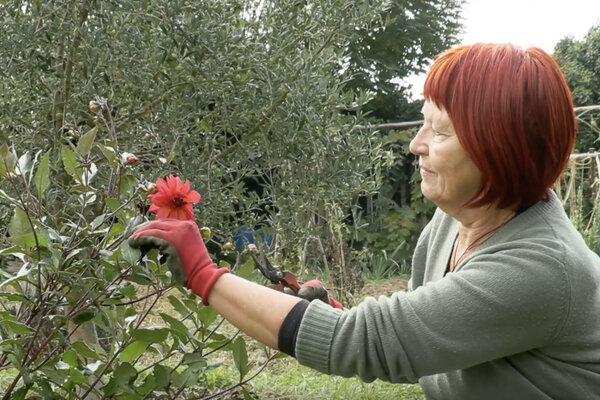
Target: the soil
pixel 385 288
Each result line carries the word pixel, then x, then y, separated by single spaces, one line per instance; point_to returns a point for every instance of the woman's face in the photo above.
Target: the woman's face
pixel 448 176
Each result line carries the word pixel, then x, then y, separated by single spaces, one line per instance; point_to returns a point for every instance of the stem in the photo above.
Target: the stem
pixel 121 347
pixel 85 163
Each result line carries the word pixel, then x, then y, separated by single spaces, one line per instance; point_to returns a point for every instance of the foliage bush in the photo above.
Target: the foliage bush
pixel 75 314
pixel 243 99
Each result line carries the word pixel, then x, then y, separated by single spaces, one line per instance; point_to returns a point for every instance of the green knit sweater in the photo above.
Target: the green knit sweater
pixel 518 319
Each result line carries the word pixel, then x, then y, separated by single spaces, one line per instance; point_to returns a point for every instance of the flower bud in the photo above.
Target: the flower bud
pixel 94 106
pixel 152 188
pixel 129 159
pixel 228 246
pixel 205 232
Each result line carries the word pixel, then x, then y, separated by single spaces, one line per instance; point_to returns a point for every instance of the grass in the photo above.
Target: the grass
pixel 287 380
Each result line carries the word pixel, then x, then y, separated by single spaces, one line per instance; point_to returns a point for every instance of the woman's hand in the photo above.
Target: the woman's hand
pixel 314 289
pixel 187 257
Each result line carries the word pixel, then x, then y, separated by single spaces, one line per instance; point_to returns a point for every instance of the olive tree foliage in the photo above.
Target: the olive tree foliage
pixel 580 62
pixel 245 100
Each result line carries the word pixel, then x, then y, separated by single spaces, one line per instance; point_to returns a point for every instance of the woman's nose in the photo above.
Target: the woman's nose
pixel 417 145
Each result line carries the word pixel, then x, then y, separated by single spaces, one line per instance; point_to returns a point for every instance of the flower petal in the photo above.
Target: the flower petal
pixel 174 183
pixel 192 197
pixel 163 212
pixel 161 199
pixel 161 185
pixel 188 212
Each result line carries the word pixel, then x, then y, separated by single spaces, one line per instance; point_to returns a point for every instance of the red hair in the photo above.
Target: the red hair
pixel 512 112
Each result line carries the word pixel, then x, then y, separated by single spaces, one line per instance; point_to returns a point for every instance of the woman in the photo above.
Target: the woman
pixel 504 299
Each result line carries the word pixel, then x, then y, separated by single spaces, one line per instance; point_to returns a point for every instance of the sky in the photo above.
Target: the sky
pixel 540 23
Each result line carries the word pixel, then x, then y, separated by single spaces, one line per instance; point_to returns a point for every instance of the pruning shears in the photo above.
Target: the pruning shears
pixel 284 281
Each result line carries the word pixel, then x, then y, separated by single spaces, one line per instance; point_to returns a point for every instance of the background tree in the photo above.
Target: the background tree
pixel 580 62
pixel 380 59
pixel 383 55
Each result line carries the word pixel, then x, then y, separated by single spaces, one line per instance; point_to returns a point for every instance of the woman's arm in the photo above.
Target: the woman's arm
pixel 257 310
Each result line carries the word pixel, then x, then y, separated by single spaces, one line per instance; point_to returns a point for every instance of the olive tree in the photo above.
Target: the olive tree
pixel 246 100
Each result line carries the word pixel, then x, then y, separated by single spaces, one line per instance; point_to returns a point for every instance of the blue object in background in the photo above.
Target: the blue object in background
pixel 245 235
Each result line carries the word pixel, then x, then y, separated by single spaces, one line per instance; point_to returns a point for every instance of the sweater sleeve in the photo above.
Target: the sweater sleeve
pixel 480 313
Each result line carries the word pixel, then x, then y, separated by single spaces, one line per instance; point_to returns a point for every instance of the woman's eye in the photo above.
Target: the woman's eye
pixel 436 133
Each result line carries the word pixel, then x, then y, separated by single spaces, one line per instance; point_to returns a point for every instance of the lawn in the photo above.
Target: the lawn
pixel 287 380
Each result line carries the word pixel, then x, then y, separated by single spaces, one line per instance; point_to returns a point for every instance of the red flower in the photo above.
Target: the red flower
pixel 173 199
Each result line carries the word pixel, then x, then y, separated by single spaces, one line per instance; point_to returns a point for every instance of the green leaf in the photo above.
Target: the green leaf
pixel 23 271
pixel 42 175
pixel 3 194
pixel 69 159
pixel 147 386
pixel 98 221
pixel 24 163
pixel 127 185
pixel 247 396
pixel 240 356
pixel 21 392
pixel 14 297
pixel 195 361
pixel 179 306
pixel 13 250
pixel 173 151
pixel 130 255
pixel 6 344
pixel 140 278
pixel 21 233
pixel 155 334
pixel 86 142
pixel 70 357
pixel 17 328
pixel 123 376
pixel 188 377
pixel 84 315
pixel 162 376
pixel 176 325
pixel 207 315
pixel 108 152
pixel 47 391
pixel 133 350
pixel 84 350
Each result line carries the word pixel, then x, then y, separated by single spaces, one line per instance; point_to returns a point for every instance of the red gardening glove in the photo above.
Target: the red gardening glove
pixel 314 289
pixel 187 257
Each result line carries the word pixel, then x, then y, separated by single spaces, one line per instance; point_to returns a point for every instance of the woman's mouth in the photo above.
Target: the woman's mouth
pixel 425 171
